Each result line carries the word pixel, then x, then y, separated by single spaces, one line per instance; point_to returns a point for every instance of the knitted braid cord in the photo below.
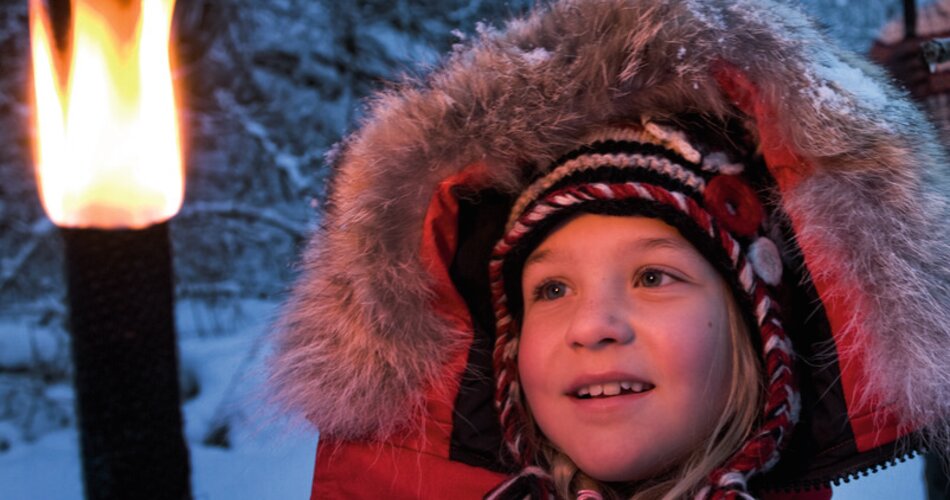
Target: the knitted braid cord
pixel 761 452
pixel 531 482
pixel 652 134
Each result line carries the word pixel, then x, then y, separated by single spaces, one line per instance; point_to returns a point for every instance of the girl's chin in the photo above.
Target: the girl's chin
pixel 612 469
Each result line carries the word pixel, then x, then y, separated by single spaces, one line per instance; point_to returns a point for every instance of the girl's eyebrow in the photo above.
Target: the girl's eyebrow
pixel 535 258
pixel 638 245
pixel 654 243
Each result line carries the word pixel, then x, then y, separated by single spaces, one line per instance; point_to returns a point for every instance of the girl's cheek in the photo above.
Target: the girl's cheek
pixel 542 332
pixel 533 361
pixel 691 329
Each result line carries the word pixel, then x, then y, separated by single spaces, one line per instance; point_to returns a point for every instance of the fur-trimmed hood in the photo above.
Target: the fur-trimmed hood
pixel 860 177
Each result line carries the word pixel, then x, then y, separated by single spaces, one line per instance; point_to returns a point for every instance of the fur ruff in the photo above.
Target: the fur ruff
pixel 359 345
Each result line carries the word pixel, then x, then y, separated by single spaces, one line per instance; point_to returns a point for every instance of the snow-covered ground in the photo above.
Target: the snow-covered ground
pixel 902 481
pixel 267 458
pixel 48 469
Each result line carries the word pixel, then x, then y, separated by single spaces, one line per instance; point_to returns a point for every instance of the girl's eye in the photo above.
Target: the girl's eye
pixel 550 290
pixel 653 278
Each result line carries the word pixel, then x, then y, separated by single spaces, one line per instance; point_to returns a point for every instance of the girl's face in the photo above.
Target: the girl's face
pixel 625 350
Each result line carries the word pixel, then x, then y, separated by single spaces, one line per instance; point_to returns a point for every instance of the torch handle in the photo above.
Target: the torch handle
pixel 126 365
pixel 910 19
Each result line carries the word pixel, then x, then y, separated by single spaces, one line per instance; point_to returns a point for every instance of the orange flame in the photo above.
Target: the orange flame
pixel 108 149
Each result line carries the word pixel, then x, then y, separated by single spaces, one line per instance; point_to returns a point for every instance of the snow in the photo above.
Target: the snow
pixel 536 56
pixel 279 471
pixel 850 79
pixel 400 45
pixel 267 458
pixel 25 470
pixel 22 343
pixel 904 480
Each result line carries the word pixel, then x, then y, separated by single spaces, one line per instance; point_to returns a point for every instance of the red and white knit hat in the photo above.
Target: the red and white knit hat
pixel 654 171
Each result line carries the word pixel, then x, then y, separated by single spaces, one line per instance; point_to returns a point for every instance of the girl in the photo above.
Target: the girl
pixel 623 355
pixel 619 249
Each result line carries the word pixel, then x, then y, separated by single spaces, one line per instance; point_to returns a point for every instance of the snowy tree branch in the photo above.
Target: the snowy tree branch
pixel 40 230
pixel 262 215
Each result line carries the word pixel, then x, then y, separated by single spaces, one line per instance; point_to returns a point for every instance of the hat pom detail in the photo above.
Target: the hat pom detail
pixel 719 162
pixel 735 204
pixel 766 261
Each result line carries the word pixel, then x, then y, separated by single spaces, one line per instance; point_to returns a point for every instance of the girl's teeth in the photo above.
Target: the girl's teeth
pixel 612 389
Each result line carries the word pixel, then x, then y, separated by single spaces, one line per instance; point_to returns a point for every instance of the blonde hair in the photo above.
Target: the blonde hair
pixel 740 414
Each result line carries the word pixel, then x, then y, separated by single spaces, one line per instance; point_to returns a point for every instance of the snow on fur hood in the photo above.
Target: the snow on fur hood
pixel 359 344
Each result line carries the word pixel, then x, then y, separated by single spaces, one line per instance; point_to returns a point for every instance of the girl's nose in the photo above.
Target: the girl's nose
pixel 598 323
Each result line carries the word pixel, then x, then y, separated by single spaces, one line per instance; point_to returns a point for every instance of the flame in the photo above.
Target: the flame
pixel 108 150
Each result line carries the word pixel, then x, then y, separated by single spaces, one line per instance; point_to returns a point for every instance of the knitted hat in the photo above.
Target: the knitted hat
pixel 655 171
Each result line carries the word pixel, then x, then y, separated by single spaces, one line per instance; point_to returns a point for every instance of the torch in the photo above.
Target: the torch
pixel 110 176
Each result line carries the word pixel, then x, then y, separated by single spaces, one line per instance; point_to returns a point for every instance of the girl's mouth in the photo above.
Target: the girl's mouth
pixel 609 389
